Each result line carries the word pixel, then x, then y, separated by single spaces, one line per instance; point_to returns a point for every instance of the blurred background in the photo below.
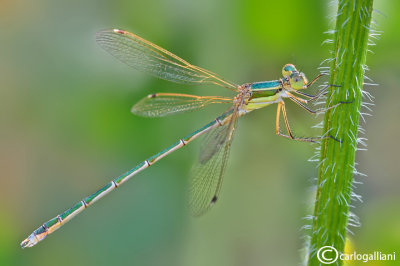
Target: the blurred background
pixel 66 130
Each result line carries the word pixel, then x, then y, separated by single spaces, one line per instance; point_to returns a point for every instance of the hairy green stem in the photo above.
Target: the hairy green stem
pixel 334 187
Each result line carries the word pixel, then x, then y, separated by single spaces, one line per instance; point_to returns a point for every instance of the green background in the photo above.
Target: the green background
pixel 66 130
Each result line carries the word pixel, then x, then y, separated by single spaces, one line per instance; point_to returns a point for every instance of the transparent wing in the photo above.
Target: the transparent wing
pixel 148 57
pixel 162 104
pixel 208 172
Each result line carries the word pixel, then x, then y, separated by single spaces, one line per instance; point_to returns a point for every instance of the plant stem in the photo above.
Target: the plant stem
pixel 336 169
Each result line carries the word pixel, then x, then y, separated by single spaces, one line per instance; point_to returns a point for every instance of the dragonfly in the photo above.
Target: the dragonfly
pixel 208 171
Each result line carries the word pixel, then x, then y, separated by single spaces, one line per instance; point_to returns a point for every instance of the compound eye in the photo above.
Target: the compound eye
pixel 297 81
pixel 287 70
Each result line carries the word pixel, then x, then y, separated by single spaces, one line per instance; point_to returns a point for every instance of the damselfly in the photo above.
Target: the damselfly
pixel 207 176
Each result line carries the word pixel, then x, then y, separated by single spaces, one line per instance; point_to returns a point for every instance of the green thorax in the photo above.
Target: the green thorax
pixel 265 88
pixel 263 93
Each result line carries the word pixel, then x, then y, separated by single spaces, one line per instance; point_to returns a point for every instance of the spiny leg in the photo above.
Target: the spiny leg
pixel 296 100
pixel 281 106
pixel 305 107
pixel 320 93
pixel 314 80
pixel 299 101
pixel 316 96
